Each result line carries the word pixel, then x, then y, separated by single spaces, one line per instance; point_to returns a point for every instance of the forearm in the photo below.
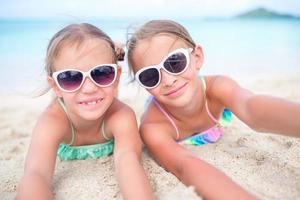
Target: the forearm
pixel 132 179
pixel 270 114
pixel 34 186
pixel 210 182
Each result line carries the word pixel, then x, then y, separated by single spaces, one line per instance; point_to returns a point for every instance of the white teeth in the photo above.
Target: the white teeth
pixel 91 102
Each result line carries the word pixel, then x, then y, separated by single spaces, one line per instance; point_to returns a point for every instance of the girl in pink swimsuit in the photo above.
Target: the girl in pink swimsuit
pixel 186 109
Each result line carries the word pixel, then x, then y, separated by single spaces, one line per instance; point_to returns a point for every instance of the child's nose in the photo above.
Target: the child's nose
pixel 88 86
pixel 167 79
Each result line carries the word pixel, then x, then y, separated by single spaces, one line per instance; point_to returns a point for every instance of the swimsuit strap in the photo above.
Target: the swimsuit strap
pixel 168 116
pixel 172 121
pixel 61 103
pixel 206 105
pixel 103 132
pixel 210 115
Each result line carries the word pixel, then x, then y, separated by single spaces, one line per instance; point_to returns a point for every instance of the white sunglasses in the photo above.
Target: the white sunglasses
pixel 70 80
pixel 175 63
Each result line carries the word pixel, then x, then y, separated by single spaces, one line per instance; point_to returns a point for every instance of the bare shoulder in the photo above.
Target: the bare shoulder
pixel 227 92
pixel 121 124
pixel 120 111
pixel 160 141
pixel 159 136
pixel 120 120
pixel 51 129
pixel 156 132
pixel 155 126
pixel 224 88
pixel 219 82
pixel 52 123
pixel 152 115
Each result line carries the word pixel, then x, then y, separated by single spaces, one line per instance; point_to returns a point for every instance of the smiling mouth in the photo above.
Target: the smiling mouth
pixel 91 102
pixel 172 92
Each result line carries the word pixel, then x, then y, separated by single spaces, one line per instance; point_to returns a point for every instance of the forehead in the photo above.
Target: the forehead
pixel 85 55
pixel 152 51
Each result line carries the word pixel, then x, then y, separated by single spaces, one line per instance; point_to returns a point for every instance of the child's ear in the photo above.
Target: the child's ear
pixel 53 85
pixel 199 57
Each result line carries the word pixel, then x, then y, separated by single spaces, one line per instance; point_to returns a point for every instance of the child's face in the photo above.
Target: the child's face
pixel 90 101
pixel 175 90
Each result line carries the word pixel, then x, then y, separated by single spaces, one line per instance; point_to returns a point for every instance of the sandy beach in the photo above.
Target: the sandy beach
pixel 265 164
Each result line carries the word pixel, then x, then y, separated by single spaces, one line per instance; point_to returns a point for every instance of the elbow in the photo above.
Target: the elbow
pixel 181 168
pixel 252 123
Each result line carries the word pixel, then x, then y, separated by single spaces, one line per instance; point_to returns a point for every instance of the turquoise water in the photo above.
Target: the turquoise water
pixel 234 47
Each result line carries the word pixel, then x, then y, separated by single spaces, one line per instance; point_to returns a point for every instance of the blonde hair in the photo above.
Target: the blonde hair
pixel 77 34
pixel 153 28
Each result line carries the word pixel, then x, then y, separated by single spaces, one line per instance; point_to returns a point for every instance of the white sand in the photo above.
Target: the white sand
pixel 265 164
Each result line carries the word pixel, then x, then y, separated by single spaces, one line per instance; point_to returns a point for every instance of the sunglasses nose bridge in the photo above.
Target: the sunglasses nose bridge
pixel 86 74
pixel 88 84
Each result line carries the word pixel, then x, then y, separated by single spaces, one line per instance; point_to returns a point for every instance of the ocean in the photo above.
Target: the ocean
pixel 234 47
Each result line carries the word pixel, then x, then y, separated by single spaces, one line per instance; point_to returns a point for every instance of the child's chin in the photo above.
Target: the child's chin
pixel 91 115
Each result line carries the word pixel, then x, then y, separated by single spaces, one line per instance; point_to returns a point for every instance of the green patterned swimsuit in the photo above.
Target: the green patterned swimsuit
pixel 69 152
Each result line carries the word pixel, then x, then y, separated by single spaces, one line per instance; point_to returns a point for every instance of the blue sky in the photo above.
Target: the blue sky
pixel 138 8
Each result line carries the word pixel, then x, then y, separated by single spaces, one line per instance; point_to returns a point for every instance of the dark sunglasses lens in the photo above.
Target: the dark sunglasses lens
pixel 103 75
pixel 176 63
pixel 70 80
pixel 149 77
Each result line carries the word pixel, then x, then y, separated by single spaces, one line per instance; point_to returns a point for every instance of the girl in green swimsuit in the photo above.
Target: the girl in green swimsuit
pixel 85 120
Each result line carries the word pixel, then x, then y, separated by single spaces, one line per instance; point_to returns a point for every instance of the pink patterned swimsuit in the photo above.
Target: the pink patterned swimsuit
pixel 211 135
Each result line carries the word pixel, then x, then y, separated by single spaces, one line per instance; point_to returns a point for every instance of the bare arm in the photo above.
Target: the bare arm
pixel 274 114
pixel 188 168
pixel 260 112
pixel 130 173
pixel 34 186
pixel 40 164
